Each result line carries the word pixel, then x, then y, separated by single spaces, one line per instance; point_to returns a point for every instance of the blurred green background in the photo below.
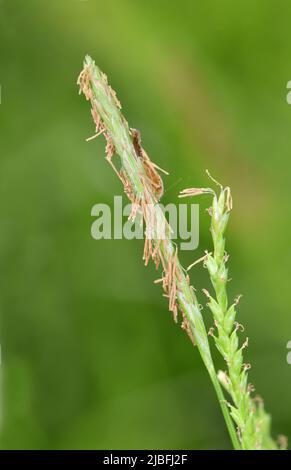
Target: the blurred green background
pixel 90 355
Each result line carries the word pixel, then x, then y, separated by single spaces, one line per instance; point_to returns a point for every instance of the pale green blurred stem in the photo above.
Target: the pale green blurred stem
pixel 118 130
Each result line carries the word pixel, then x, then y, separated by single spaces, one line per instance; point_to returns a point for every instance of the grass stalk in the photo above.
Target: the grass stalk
pixel 252 422
pixel 143 186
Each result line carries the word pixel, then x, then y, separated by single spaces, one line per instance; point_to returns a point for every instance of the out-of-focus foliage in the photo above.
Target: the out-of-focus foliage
pixel 90 356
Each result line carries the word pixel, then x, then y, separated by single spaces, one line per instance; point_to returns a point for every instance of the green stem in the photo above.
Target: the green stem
pixel 225 412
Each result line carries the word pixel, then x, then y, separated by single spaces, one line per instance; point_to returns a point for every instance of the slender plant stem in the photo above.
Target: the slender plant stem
pixel 248 413
pixel 142 185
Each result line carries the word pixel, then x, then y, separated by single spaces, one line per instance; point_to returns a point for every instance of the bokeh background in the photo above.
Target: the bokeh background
pixel 90 355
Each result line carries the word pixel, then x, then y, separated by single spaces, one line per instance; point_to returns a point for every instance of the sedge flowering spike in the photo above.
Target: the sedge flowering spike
pixel 252 422
pixel 143 186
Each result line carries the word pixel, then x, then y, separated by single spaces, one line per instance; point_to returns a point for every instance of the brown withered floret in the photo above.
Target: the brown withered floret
pixel 149 167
